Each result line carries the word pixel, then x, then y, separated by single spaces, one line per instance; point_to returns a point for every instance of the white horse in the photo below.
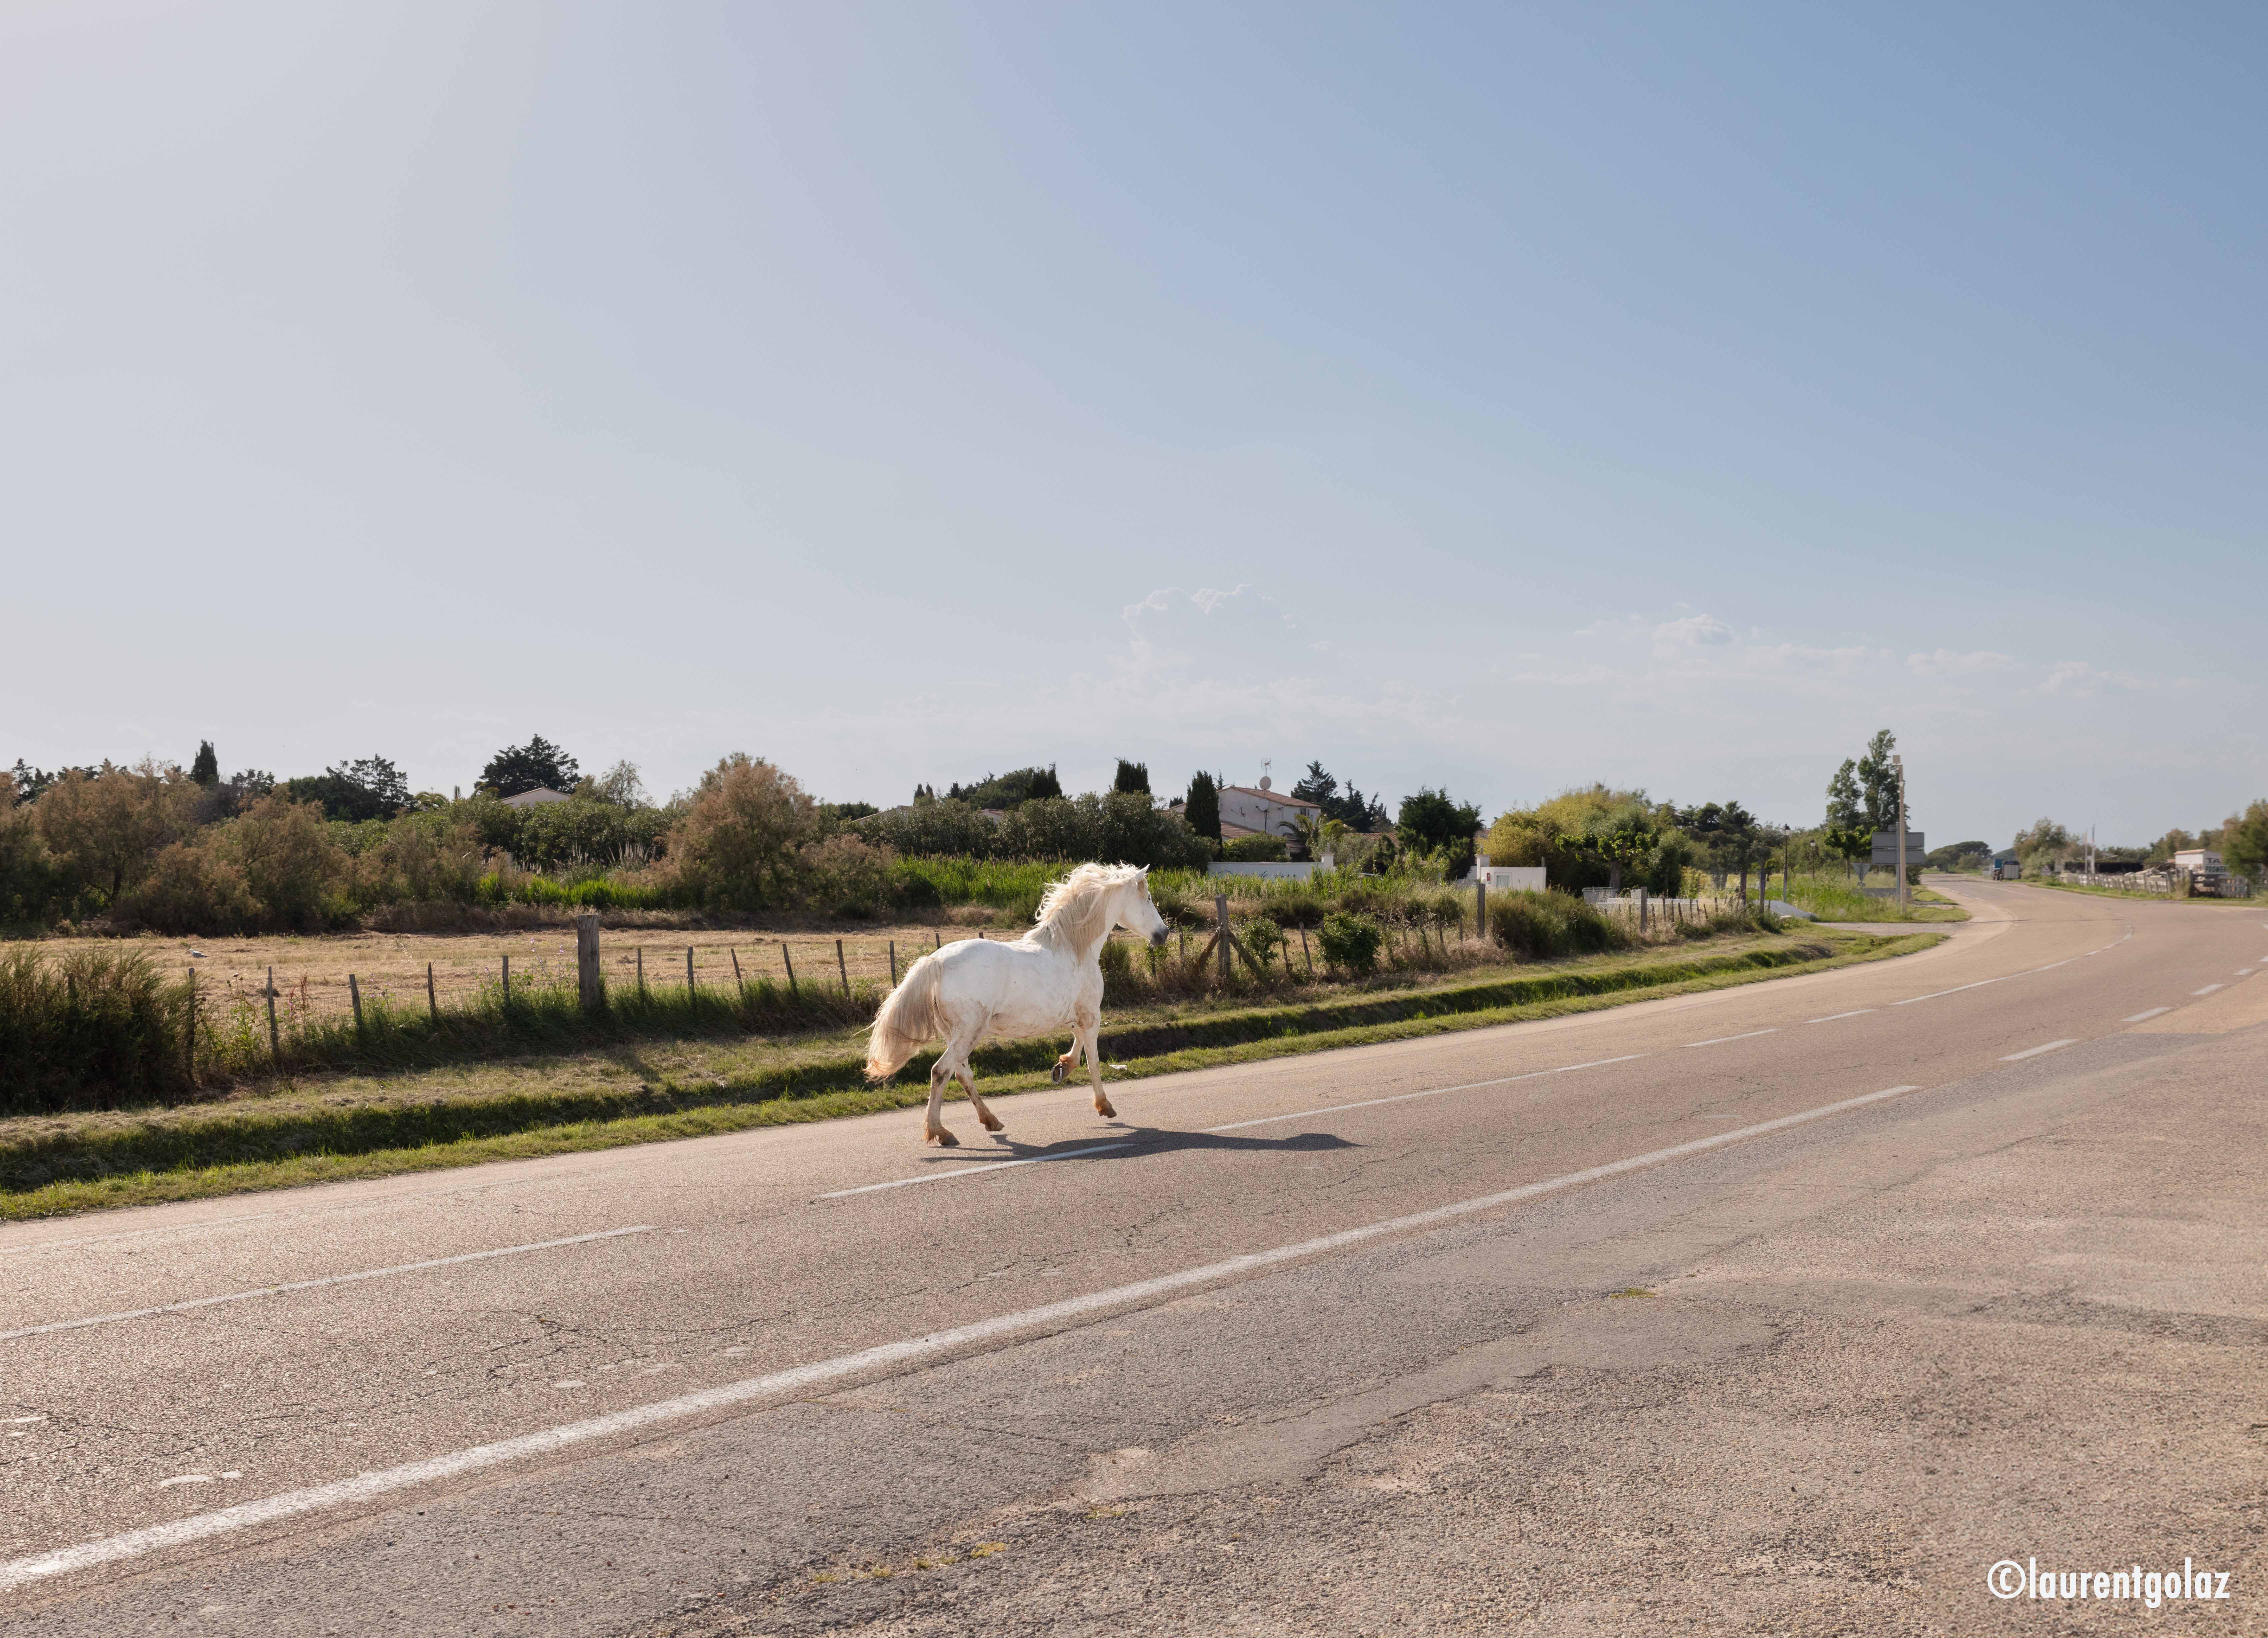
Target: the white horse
pixel 1046 981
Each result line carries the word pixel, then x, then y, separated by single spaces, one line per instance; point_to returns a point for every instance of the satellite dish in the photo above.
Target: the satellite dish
pixel 1264 783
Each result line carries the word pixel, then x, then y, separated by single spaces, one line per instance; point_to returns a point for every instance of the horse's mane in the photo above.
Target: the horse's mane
pixel 1069 901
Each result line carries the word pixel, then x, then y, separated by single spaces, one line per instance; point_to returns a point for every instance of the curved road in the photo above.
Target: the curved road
pixel 1795 1306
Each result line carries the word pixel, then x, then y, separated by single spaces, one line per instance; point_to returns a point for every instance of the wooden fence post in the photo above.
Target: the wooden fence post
pixel 191 1046
pixel 274 1039
pixel 432 1001
pixel 790 960
pixel 689 986
pixel 1641 912
pixel 738 982
pixel 939 937
pixel 641 971
pixel 1480 910
pixel 844 968
pixel 1220 913
pixel 893 963
pixel 354 994
pixel 590 978
pixel 507 981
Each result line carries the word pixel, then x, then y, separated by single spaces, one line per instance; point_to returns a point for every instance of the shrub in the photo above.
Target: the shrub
pixel 1263 937
pixel 735 848
pixel 844 876
pixel 1255 850
pixel 192 888
pixel 96 1024
pixel 425 858
pixel 1540 926
pixel 1350 942
pixel 105 832
pixel 294 870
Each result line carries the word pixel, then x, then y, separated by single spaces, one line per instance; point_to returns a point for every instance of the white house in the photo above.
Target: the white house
pixel 1246 810
pixel 541 796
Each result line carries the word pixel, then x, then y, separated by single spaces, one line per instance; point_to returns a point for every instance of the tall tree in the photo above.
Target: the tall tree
pixel 1202 808
pixel 1878 783
pixel 369 787
pixel 1430 821
pixel 206 769
pixel 1132 776
pixel 538 765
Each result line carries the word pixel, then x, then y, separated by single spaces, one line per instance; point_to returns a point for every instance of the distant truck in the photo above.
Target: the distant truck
pixel 2007 869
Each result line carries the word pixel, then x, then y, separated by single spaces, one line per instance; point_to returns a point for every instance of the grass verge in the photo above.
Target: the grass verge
pixel 57 1164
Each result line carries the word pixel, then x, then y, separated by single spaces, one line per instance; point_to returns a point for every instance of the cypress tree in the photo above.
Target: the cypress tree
pixel 1202 810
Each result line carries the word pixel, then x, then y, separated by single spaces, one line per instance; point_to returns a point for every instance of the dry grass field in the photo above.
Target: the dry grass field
pixel 311 972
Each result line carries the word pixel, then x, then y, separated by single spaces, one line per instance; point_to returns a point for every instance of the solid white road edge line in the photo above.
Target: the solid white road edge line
pixel 370 1486
pixel 2152 1013
pixel 331 1279
pixel 2034 1052
pixel 971 1171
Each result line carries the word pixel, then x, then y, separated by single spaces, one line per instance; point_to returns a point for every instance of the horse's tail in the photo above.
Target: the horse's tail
pixel 910 1019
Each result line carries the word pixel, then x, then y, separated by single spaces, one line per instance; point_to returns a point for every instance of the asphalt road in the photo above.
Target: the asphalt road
pixel 1787 1307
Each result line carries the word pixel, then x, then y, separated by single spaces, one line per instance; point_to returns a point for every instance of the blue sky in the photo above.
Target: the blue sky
pixel 1489 396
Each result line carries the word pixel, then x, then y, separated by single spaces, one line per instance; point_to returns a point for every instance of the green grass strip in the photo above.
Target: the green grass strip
pixel 189 1155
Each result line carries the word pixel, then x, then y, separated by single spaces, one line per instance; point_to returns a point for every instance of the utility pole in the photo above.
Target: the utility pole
pixel 1899 763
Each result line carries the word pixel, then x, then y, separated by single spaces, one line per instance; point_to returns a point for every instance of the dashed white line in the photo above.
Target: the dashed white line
pixel 2152 1013
pixel 2208 990
pixel 310 1285
pixel 1598 1063
pixel 370 1486
pixel 1720 1040
pixel 2034 1052
pixel 971 1171
pixel 1854 1013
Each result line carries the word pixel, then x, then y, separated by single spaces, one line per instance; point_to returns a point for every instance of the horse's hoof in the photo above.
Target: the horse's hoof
pixel 1057 1073
pixel 993 1122
pixel 1102 1107
pixel 944 1139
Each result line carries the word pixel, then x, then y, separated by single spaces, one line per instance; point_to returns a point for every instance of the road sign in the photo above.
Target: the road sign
pixel 1886 849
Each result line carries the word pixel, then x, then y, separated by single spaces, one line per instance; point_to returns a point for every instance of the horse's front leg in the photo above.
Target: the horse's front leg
pixel 990 1121
pixel 1090 1043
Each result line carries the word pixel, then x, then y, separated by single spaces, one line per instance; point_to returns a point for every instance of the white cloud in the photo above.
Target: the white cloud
pixel 1946 662
pixel 1693 632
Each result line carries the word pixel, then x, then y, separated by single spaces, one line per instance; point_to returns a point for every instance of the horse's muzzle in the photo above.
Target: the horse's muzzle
pixel 1158 940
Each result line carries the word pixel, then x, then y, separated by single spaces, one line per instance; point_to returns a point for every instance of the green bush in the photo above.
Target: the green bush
pixel 95 1025
pixel 1263 937
pixel 1256 850
pixel 1350 942
pixel 1542 925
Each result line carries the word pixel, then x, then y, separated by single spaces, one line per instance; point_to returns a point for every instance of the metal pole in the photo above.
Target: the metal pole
pixel 1899 763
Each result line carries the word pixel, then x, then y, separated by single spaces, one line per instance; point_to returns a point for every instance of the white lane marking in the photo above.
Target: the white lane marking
pixel 1831 1017
pixel 971 1171
pixel 1372 1103
pixel 2208 990
pixel 2034 1052
pixel 2153 1012
pixel 2245 973
pixel 1957 989
pixel 1598 1063
pixel 331 1279
pixel 1720 1040
pixel 367 1487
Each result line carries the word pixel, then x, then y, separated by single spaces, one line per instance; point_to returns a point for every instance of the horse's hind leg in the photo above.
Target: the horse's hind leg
pixel 933 1127
pixel 1068 1062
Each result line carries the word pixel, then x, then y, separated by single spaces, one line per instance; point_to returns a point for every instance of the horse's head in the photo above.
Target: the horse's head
pixel 1137 915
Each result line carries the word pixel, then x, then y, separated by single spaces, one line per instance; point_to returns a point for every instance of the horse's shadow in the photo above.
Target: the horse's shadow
pixel 1127 1142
